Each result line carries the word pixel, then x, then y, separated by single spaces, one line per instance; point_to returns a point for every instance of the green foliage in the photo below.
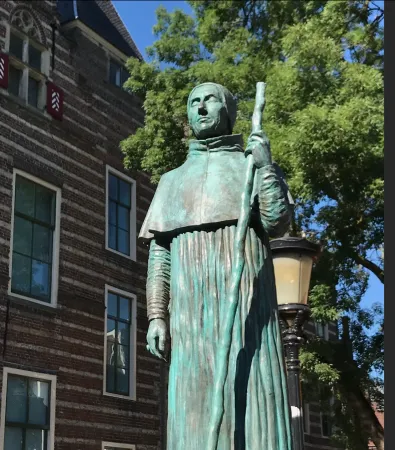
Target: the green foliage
pixel 323 65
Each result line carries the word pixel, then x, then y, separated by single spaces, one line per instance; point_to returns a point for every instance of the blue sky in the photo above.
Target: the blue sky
pixel 139 18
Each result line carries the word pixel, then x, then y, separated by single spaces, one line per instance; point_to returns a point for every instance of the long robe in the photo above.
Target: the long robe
pixel 189 275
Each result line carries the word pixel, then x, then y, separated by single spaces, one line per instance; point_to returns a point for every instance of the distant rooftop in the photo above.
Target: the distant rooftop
pixel 101 17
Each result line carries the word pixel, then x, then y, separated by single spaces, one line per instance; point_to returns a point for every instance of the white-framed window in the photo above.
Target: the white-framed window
pixel 306 417
pixel 117 73
pixel 28 67
pixel 35 230
pixel 116 446
pixel 120 343
pixel 120 213
pixel 322 330
pixel 27 410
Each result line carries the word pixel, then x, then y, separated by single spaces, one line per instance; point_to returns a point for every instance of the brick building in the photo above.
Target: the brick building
pixel 74 370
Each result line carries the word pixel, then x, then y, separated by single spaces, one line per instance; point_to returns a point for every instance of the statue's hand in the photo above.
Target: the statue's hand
pixel 157 337
pixel 258 144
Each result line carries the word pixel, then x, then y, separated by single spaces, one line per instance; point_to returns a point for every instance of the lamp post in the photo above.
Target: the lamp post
pixel 293 262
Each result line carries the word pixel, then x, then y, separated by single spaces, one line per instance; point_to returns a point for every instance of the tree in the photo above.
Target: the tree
pixel 323 65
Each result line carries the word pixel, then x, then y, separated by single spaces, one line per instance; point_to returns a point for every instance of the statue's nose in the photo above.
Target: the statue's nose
pixel 202 108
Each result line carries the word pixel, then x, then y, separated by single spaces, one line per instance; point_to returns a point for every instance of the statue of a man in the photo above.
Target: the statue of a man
pixel 191 226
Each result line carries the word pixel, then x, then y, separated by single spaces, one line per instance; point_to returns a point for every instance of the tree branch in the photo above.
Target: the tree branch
pixel 374 268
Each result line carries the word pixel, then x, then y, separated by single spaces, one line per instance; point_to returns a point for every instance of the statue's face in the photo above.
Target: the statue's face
pixel 207 114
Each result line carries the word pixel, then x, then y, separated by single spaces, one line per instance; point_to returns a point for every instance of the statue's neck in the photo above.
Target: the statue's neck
pixel 230 143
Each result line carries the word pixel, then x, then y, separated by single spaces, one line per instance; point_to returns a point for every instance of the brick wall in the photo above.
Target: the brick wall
pixel 69 340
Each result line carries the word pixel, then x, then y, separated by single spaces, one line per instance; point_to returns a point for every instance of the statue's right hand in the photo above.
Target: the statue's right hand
pixel 157 337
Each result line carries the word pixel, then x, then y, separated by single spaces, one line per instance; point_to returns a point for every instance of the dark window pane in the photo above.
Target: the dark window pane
pixel 40 279
pixel 24 196
pixel 124 192
pixel 122 381
pixel 123 333
pixel 115 73
pixel 14 80
pixel 110 380
pixel 123 218
pixel 16 399
pixel 123 242
pixel 124 308
pixel 38 402
pixel 111 329
pixel 305 417
pixel 35 440
pixel 112 236
pixel 124 76
pixel 13 438
pixel 113 187
pixel 112 213
pixel 34 57
pixel 112 305
pixel 45 205
pixel 16 46
pixel 42 243
pixel 21 271
pixel 325 422
pixel 22 236
pixel 32 94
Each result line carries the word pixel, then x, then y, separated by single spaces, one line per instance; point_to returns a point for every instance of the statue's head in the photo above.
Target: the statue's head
pixel 211 110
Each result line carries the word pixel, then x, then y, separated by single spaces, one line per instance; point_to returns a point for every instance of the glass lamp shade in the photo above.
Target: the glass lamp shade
pixel 292 272
pixel 293 262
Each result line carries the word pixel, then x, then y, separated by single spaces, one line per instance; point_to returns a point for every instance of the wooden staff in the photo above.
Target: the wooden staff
pixel 217 411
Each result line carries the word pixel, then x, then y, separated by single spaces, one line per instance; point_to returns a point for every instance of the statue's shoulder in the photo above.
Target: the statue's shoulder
pixel 171 175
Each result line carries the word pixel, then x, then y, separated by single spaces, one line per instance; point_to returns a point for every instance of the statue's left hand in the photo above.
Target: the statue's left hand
pixel 157 338
pixel 258 144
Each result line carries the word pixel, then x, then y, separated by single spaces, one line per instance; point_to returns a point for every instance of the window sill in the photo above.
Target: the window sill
pixel 42 113
pixel 130 258
pixel 125 397
pixel 31 302
pixel 116 88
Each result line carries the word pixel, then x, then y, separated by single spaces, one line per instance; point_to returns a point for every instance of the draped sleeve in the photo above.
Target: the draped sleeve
pixel 158 280
pixel 274 201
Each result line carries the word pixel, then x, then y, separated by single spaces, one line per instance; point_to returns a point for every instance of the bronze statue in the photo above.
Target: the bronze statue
pixel 191 227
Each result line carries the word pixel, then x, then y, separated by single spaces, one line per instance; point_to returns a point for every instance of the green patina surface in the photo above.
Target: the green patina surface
pixel 191 226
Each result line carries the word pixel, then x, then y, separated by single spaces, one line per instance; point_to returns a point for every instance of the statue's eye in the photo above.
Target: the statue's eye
pixel 195 102
pixel 210 97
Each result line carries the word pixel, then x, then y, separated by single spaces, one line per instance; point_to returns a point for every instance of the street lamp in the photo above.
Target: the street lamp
pixel 293 261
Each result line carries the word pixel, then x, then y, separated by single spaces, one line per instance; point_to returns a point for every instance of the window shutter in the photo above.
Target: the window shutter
pixel 3 70
pixel 55 97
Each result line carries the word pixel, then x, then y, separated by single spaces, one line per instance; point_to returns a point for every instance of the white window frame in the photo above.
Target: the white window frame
pixel 56 239
pixel 121 64
pixel 41 76
pixel 133 343
pixel 133 185
pixel 116 445
pixel 38 376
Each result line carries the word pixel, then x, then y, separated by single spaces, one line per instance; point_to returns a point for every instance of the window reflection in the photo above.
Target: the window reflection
pixel 118 344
